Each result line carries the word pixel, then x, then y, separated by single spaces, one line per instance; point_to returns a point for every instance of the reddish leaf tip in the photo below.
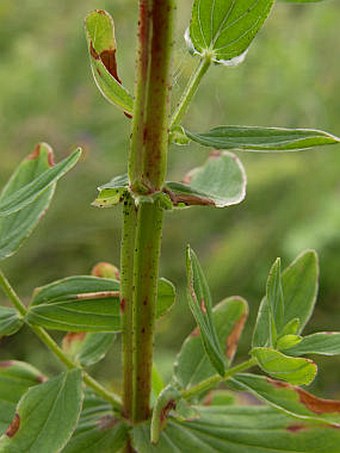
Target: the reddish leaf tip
pixel 6 363
pixel 14 426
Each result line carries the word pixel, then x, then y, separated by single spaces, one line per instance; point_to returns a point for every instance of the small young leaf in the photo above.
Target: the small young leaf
pixel 220 182
pixel 30 191
pixel 287 341
pixel 274 296
pixel 87 348
pixel 166 401
pixel 15 379
pixel 224 29
pixel 300 288
pixel 15 228
pixel 192 365
pixel 291 399
pixel 10 321
pixel 201 307
pixel 98 430
pixel 166 297
pixel 323 343
pixel 112 192
pixel 101 39
pixel 46 416
pixel 263 139
pixel 293 370
pixel 239 429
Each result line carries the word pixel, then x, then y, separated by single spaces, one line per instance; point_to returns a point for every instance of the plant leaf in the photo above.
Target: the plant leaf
pixel 112 192
pixel 86 304
pixel 274 295
pixel 323 343
pixel 77 304
pixel 293 370
pixel 300 287
pixel 291 399
pixel 220 182
pixel 46 415
pixel 232 429
pixel 201 307
pixel 262 139
pixel 10 321
pixel 100 33
pixel 87 348
pixel 224 29
pixel 15 228
pixel 192 365
pixel 98 429
pixel 30 191
pixel 15 379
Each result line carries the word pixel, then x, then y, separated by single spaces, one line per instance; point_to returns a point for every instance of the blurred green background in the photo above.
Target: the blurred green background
pixel 291 77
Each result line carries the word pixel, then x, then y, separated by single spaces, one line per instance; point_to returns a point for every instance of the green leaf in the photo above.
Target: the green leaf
pixel 300 287
pixel 46 416
pixel 87 348
pixel 287 342
pixel 274 296
pixel 30 191
pixel 86 304
pixel 323 343
pixel 192 365
pixel 15 228
pixel 15 379
pixel 77 304
pixel 220 182
pixel 100 33
pixel 201 307
pixel 263 139
pixel 10 321
pixel 293 370
pixel 224 29
pixel 239 430
pixel 291 399
pixel 99 430
pixel 166 401
pixel 112 192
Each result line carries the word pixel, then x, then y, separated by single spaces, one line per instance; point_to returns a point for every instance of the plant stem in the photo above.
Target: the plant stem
pixel 216 379
pixel 53 346
pixel 190 91
pixel 146 168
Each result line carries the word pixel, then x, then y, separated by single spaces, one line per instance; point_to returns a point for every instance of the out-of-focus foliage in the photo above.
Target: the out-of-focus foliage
pixel 291 78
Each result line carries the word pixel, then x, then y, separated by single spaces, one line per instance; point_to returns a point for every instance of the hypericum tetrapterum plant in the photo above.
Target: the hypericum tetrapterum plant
pixel 73 412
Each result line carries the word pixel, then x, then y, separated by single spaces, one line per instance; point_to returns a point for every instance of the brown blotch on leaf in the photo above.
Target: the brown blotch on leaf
pixel 203 309
pixel 166 409
pixel 108 57
pixel 296 428
pixel 195 332
pixel 233 338
pixel 35 153
pixel 14 426
pixel 70 337
pixel 106 422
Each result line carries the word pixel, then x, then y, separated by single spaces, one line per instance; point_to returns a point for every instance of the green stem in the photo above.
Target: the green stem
pixel 53 346
pixel 190 91
pixel 126 288
pixel 147 253
pixel 217 379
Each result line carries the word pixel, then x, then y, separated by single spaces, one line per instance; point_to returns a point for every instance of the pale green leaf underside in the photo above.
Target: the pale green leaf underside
pixel 323 343
pixel 88 348
pixel 291 399
pixel 27 193
pixel 225 29
pixel 262 139
pixel 239 430
pixel 102 48
pixel 98 429
pixel 46 415
pixel 86 304
pixel 16 227
pixel 15 379
pixel 220 182
pixel 192 365
pixel 10 321
pixel 291 369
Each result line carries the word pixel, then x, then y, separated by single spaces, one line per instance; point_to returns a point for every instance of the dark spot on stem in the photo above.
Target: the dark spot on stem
pixel 122 305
